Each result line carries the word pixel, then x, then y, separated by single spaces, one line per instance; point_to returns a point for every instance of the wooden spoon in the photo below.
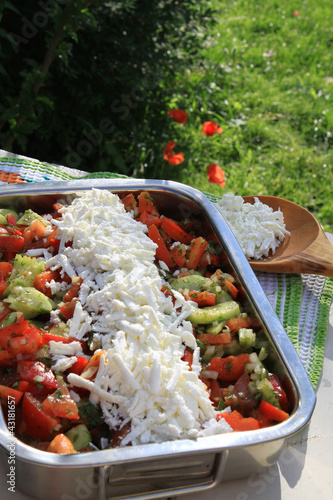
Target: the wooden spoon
pixel 307 250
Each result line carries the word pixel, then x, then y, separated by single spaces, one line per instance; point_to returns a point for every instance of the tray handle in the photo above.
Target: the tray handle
pixel 105 474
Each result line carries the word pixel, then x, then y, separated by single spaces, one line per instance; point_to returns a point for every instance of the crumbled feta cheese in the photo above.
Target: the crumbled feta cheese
pixel 257 228
pixel 141 377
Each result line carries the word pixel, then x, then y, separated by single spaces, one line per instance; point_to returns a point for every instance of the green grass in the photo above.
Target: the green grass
pixel 266 78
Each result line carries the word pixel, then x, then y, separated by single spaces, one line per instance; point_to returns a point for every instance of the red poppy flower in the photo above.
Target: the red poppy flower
pixel 176 159
pixel 170 156
pixel 216 174
pixel 178 115
pixel 296 13
pixel 211 128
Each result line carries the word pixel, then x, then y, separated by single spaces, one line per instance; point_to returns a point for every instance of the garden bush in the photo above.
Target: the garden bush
pixel 85 83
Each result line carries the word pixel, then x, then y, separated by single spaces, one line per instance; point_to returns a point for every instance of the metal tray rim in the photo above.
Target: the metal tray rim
pixel 305 392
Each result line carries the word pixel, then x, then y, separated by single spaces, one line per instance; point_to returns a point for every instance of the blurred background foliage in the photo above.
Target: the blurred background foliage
pixel 88 84
pixel 85 83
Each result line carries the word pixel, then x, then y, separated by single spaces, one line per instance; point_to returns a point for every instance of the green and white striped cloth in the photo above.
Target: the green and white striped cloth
pixel 302 302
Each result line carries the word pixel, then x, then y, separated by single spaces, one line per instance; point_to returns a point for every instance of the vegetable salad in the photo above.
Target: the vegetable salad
pixel 37 306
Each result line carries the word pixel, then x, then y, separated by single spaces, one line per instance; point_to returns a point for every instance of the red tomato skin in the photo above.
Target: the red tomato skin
pixel 230 368
pixel 67 309
pixel 11 243
pixel 21 342
pixel 197 248
pixel 36 372
pixel 6 359
pixel 60 404
pixel 37 423
pixel 6 268
pixel 78 366
pixel 7 394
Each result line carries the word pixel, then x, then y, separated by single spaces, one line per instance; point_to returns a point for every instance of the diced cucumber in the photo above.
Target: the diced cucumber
pixel 60 329
pixel 30 216
pixel 247 337
pixel 29 301
pixel 192 282
pixel 263 353
pixel 10 319
pixel 266 389
pixel 215 328
pixel 24 271
pixel 79 436
pixel 6 211
pixel 220 312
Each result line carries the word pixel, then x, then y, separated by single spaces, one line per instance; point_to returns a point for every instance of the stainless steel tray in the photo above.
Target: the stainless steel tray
pixel 178 467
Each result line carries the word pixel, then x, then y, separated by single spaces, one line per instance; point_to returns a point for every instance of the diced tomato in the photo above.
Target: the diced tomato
pixel 162 253
pixel 197 248
pixel 10 229
pixel 203 298
pixel 5 268
pixel 78 366
pixel 6 358
pixel 216 392
pixel 67 309
pixel 146 204
pixel 35 230
pixel 166 291
pixel 8 333
pixel 73 292
pixel 208 259
pixel 149 219
pixel 51 240
pixel 272 412
pixel 279 392
pixel 22 339
pixel 239 423
pixel 240 397
pixel 3 284
pixel 43 279
pixel 47 337
pixel 61 444
pixel 11 219
pixel 220 338
pixel 171 228
pixel 60 404
pixel 4 310
pixel 188 357
pixel 9 255
pixel 231 288
pixel 11 243
pixel 18 327
pixel 263 420
pixel 38 425
pixel 129 202
pixel 235 324
pixel 229 368
pixel 37 372
pixel 57 206
pixel 8 394
pixel 178 255
pixel 35 388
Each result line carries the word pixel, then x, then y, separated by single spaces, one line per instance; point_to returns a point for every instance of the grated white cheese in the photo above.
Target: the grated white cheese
pixel 141 377
pixel 257 228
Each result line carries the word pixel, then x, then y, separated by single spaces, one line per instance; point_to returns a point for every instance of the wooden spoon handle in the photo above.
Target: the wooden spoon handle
pixel 318 257
pixel 315 259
